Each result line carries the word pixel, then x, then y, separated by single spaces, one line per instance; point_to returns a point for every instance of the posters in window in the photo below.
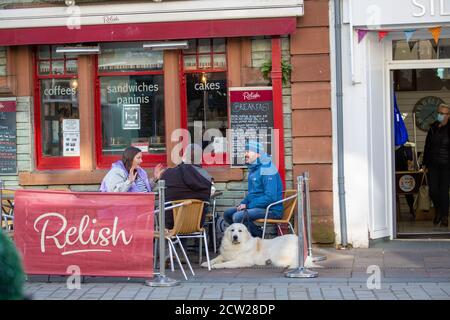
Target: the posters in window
pixel 131 117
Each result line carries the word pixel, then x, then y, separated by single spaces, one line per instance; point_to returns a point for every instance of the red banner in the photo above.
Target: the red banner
pixel 102 234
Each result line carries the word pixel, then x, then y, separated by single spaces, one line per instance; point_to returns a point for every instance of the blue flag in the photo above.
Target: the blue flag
pixel 401 134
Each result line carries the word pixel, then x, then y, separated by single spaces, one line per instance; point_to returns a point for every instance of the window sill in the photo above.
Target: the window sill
pixel 80 177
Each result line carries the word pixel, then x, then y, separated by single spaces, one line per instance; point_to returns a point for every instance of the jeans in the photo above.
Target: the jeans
pixel 233 216
pixel 438 180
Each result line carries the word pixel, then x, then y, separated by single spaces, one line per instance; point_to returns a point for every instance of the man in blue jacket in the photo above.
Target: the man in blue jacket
pixel 264 188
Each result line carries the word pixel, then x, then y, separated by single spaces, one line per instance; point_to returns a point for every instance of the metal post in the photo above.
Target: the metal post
pixel 301 271
pixel 308 225
pixel 161 280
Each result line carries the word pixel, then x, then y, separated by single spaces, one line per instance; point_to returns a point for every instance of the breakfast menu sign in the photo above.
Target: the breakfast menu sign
pixel 99 233
pixel 8 138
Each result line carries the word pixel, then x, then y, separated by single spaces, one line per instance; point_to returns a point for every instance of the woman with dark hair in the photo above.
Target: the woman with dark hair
pixel 126 175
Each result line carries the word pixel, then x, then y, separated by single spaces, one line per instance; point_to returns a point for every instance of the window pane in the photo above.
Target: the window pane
pixel 44 52
pixel 219 45
pixel 132 109
pixel 125 57
pixel 207 103
pixel 59 109
pixel 71 66
pixel 220 61
pixel 204 45
pixel 57 55
pixel 414 50
pixel 444 49
pixel 192 47
pixel 58 67
pixel 190 62
pixel 44 67
pixel 204 61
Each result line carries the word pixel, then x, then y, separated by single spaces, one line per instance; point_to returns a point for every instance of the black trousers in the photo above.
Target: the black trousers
pixel 438 180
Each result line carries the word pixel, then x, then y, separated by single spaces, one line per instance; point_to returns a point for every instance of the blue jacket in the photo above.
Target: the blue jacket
pixel 264 186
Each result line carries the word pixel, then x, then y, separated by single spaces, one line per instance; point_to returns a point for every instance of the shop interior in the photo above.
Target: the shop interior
pixel 418 93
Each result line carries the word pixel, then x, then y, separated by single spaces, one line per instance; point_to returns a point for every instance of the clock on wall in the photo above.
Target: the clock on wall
pixel 425 111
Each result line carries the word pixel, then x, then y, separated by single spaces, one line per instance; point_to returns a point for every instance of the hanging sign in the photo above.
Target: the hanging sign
pixel 251 118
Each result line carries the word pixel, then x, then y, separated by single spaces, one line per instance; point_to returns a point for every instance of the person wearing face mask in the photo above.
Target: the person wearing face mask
pixel 126 175
pixel 436 162
pixel 264 188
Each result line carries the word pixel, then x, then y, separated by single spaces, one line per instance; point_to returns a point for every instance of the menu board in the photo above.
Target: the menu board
pixel 251 118
pixel 8 138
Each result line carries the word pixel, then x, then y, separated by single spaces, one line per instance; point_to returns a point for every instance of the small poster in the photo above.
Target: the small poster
pixel 131 117
pixel 71 125
pixel 71 144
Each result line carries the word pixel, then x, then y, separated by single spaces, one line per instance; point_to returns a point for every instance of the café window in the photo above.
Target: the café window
pixel 56 109
pixel 131 103
pixel 421 49
pixel 205 90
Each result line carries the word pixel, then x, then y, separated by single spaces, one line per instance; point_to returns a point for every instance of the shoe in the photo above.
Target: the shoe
pixel 436 220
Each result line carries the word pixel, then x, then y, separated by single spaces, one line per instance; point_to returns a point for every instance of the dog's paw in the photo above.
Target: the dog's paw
pixel 205 265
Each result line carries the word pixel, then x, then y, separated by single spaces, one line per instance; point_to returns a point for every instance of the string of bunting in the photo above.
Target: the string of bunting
pixel 435 32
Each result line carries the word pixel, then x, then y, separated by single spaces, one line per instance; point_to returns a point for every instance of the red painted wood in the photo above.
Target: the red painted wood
pixel 149 31
pixel 277 87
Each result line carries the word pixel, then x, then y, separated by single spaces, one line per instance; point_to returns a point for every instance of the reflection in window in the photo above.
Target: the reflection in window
pixel 207 103
pixel 124 57
pixel 422 79
pixel 132 113
pixel 421 49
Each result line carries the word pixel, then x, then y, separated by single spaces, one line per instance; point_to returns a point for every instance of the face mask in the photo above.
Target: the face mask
pixel 440 117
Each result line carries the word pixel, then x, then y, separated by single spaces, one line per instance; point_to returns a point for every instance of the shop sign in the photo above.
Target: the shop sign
pixel 251 118
pixel 387 12
pixel 8 138
pixel 131 116
pixel 407 183
pixel 103 234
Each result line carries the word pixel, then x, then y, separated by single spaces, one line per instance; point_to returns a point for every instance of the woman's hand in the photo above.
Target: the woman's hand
pixel 132 175
pixel 157 172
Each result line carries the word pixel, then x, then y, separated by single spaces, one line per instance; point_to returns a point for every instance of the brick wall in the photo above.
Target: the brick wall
pixel 311 113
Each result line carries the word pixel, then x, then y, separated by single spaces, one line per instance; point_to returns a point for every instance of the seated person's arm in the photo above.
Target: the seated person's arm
pixel 270 192
pixel 117 182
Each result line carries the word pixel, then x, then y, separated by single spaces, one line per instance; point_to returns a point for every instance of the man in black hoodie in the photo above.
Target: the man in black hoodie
pixel 187 180
pixel 436 161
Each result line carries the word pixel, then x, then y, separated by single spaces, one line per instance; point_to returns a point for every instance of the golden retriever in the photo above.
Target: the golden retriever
pixel 239 250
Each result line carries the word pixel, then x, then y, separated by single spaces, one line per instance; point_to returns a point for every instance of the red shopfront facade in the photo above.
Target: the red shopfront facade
pixel 78 89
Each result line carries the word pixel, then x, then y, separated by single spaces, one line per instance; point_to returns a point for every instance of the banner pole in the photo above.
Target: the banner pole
pixel 161 280
pixel 301 271
pixel 308 217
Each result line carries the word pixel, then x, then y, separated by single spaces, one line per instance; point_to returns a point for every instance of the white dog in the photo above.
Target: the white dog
pixel 239 249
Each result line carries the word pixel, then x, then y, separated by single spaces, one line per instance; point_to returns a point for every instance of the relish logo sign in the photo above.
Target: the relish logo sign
pixel 104 234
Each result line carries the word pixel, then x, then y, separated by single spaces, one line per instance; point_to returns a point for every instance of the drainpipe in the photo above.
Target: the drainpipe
pixel 340 121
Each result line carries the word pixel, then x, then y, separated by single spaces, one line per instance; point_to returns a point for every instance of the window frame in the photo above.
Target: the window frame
pixel 50 162
pixel 183 87
pixel 105 161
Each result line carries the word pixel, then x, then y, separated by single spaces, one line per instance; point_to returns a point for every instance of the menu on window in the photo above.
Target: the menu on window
pixel 8 138
pixel 251 118
pixel 71 136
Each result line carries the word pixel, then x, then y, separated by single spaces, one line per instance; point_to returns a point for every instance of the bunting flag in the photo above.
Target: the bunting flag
pixel 409 34
pixel 361 34
pixel 382 34
pixel 436 32
pixel 411 45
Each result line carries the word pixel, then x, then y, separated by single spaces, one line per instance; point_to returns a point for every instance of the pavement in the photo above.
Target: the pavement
pixel 392 270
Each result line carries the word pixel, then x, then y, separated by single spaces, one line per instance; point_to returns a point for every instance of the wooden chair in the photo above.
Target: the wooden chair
pixel 7 207
pixel 289 202
pixel 187 219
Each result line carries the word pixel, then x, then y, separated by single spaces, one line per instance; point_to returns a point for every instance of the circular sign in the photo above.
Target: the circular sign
pixel 407 183
pixel 426 111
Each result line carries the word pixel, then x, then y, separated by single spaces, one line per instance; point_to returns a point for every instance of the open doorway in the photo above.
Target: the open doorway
pixel 418 94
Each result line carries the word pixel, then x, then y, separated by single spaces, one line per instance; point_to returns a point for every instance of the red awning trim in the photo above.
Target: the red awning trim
pixel 149 31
